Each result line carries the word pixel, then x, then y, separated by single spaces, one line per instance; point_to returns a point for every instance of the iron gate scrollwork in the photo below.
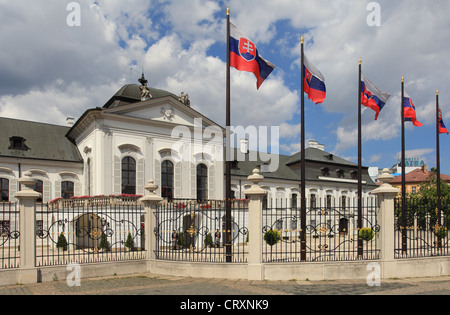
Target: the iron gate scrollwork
pixel 196 231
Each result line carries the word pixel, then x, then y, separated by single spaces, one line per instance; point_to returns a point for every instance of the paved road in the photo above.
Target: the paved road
pixel 148 284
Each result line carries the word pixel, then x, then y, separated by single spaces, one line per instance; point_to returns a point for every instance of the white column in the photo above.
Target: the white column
pixel 27 200
pixel 255 195
pixel 150 202
pixel 386 218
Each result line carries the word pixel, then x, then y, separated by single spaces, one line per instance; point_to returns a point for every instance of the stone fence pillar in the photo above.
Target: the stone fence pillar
pixel 150 202
pixel 255 195
pixel 27 211
pixel 386 218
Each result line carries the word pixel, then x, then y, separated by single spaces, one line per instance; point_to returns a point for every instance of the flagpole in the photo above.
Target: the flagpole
pixel 303 157
pixel 404 222
pixel 228 151
pixel 438 160
pixel 360 241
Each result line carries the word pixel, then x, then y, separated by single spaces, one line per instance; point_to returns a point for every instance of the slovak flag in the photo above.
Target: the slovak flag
pixel 244 56
pixel 410 111
pixel 442 128
pixel 314 83
pixel 373 97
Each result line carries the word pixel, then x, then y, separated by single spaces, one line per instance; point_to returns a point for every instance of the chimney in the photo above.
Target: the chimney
pixel 244 146
pixel 315 145
pixel 70 121
pixel 424 168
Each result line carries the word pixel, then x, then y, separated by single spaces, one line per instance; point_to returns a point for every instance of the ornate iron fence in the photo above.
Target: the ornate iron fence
pixel 9 236
pixel 187 230
pixel 421 230
pixel 88 231
pixel 331 234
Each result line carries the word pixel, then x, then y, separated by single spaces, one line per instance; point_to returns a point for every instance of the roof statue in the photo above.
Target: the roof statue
pixel 184 98
pixel 145 91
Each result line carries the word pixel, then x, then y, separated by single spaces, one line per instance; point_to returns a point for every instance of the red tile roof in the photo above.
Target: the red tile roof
pixel 417 176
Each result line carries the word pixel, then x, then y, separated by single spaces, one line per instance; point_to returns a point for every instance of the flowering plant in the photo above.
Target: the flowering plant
pixel 180 205
pixel 99 196
pixel 56 199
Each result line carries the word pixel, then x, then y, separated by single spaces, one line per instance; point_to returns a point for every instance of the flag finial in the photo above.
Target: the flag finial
pixel 403 79
pixel 360 61
pixel 228 10
pixel 437 92
pixel 301 40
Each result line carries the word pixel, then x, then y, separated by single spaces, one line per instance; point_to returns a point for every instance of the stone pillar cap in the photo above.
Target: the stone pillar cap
pixel 151 187
pixel 256 189
pixel 27 192
pixel 386 188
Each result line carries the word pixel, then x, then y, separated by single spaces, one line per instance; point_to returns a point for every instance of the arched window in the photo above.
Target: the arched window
pixel 39 187
pixel 313 201
pixel 344 203
pixel 294 201
pixel 4 190
pixel 167 180
pixel 202 182
pixel 67 190
pixel 88 165
pixel 128 176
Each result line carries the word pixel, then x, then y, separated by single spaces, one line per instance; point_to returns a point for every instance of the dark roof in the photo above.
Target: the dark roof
pixel 44 141
pixel 313 154
pixel 289 166
pixel 131 93
pixel 245 168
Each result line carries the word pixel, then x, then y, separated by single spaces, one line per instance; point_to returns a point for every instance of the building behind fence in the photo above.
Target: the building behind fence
pixel 265 240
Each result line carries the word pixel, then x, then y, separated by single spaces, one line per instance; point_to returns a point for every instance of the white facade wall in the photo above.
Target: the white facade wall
pixel 51 173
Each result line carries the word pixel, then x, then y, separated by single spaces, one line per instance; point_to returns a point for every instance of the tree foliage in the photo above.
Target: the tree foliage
pixel 428 189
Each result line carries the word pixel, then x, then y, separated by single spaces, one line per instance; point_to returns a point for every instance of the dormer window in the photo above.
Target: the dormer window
pixel 235 165
pixel 18 143
pixel 340 173
pixel 325 171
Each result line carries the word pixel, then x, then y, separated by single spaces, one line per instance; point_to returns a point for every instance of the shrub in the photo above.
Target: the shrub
pixel 181 240
pixel 129 243
pixel 208 240
pixel 104 244
pixel 62 242
pixel 367 234
pixel 272 237
pixel 440 232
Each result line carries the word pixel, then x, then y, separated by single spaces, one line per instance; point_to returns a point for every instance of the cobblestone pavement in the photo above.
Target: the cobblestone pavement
pixel 148 284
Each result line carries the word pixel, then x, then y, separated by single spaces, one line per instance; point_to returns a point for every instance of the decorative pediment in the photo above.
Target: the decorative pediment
pixel 127 147
pixel 165 110
pixel 6 171
pixel 38 172
pixel 68 175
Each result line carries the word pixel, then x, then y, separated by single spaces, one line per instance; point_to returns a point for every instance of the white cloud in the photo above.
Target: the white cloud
pixel 49 71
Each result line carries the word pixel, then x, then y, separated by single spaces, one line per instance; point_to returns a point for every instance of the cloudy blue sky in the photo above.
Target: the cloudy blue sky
pixel 50 70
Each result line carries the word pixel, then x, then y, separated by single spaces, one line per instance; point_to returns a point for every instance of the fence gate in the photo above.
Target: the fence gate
pixel 187 230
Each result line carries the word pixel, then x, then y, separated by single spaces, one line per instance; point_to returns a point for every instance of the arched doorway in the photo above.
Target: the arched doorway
pixel 234 230
pixel 191 227
pixel 88 231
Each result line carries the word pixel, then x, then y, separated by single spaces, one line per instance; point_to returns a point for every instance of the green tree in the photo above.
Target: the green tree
pixel 104 244
pixel 428 189
pixel 129 243
pixel 208 239
pixel 62 242
pixel 272 237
